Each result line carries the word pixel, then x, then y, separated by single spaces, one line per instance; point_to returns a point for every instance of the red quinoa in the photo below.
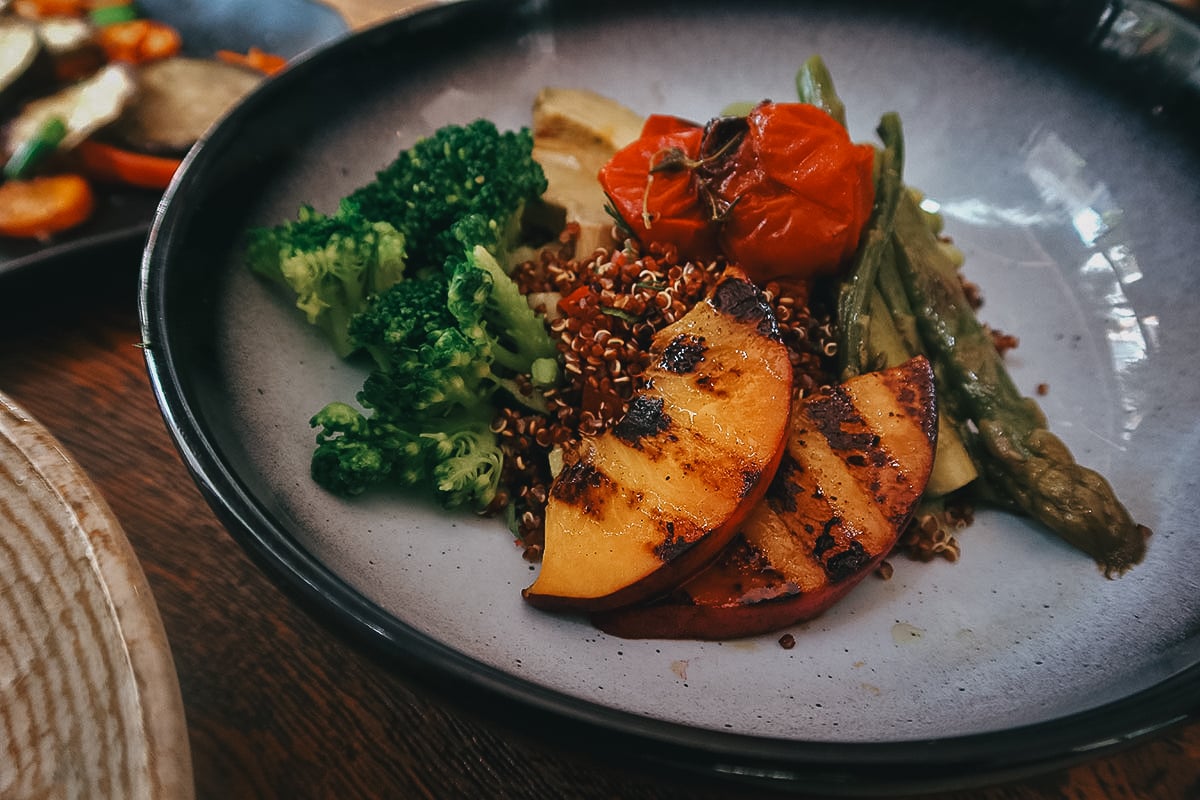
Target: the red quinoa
pixel 627 297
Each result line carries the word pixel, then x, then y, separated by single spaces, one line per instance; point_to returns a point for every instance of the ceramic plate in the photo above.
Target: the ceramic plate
pixel 287 27
pixel 89 700
pixel 1075 203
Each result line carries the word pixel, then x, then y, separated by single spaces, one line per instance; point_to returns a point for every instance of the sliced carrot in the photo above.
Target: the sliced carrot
pixel 51 8
pixel 254 58
pixel 137 41
pixel 39 207
pixel 105 162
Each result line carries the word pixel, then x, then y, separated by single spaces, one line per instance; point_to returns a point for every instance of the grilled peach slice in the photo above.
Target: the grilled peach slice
pixel 650 502
pixel 858 459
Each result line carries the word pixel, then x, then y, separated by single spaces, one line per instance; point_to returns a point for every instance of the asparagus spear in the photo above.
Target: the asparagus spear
pixel 953 466
pixel 1023 461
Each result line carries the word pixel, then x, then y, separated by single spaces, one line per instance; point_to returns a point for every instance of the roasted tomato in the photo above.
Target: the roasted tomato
pixel 782 192
pixel 652 185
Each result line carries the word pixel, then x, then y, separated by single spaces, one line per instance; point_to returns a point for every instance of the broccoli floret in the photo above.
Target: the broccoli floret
pixel 333 265
pixel 424 365
pixel 452 333
pixel 467 464
pixel 487 302
pixel 457 171
pixel 460 456
pixel 354 452
pixel 432 385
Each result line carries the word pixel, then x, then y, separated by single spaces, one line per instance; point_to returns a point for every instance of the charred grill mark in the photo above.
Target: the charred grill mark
pixel 848 562
pixel 674 544
pixel 825 539
pixel 833 413
pixel 837 419
pixel 913 402
pixel 645 417
pixel 750 479
pixel 781 492
pixel 715 383
pixel 584 486
pixel 929 422
pixel 916 394
pixel 683 353
pixel 742 300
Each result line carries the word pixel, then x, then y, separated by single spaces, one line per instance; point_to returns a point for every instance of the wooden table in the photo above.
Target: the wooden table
pixel 277 705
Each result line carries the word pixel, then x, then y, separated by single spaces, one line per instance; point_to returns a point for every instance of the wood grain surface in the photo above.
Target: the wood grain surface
pixel 279 706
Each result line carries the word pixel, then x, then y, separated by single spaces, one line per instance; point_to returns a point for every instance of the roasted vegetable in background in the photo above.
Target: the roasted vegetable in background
pixel 655 498
pixel 21 55
pixel 92 91
pixel 178 99
pixel 857 461
pixel 42 206
pixel 83 108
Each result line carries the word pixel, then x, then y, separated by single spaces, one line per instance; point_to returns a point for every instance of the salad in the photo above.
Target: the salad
pixel 92 93
pixel 712 374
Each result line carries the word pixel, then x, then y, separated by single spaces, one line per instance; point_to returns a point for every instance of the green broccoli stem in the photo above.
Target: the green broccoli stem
pixel 1021 459
pixel 518 323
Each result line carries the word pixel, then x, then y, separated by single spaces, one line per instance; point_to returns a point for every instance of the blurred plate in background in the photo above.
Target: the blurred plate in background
pixel 123 214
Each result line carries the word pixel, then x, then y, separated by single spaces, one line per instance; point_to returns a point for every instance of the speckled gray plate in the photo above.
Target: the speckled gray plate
pixel 1076 204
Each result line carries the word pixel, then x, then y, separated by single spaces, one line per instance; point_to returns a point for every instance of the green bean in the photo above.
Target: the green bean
pixel 853 305
pixel 814 85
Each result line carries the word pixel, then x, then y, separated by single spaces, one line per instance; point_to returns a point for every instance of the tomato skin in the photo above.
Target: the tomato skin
pixel 672 206
pixel 799 194
pixel 783 193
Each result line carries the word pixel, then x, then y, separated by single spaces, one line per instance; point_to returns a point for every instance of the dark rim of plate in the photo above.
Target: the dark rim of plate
pixel 1092 33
